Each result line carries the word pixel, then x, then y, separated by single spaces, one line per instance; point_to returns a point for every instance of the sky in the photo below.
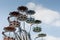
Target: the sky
pixel 48 11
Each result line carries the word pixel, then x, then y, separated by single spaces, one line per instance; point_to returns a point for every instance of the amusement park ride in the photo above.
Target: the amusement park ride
pixel 21 15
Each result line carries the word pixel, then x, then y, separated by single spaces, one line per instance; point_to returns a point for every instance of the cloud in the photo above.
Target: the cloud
pixel 56 23
pixel 48 37
pixel 31 5
pixel 46 15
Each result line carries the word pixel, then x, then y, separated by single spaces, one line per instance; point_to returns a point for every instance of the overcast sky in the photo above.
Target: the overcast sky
pixel 48 11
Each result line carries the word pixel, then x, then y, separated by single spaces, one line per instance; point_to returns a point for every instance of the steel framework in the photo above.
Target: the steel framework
pixel 22 15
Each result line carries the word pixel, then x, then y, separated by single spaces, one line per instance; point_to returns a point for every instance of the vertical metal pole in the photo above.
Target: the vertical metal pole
pixel 30 29
pixel 15 36
pixel 30 26
pixel 30 16
pixel 20 30
pixel 35 38
pixel 29 32
pixel 42 38
pixel 9 34
pixel 24 25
